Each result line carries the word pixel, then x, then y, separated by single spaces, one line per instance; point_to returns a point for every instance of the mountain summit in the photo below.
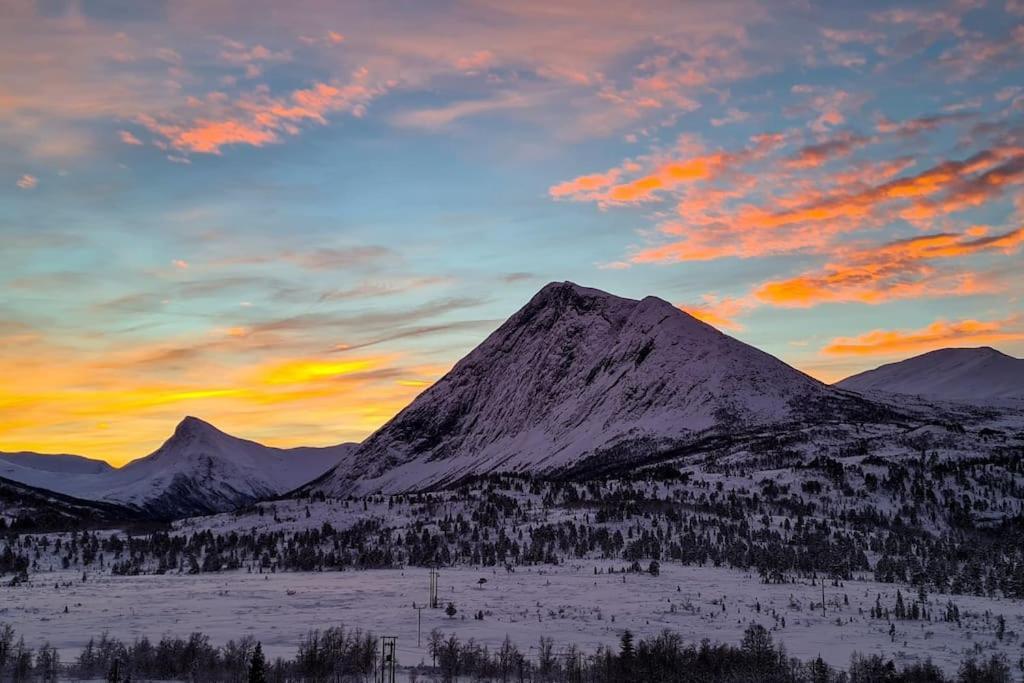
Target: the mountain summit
pixel 969 375
pixel 574 375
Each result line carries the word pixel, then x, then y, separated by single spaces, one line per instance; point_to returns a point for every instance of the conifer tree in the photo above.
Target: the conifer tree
pixel 258 666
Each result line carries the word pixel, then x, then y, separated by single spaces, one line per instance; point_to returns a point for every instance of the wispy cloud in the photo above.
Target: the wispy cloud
pixel 939 334
pixel 259 118
pixel 438 118
pixel 897 270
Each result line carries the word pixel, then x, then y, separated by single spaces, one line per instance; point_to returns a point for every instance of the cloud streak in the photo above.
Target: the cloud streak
pixel 897 270
pixel 938 334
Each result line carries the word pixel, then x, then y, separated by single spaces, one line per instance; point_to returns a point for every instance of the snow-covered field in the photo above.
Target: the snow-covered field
pixel 570 603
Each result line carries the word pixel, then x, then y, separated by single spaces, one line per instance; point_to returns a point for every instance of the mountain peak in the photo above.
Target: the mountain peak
pixel 561 294
pixel 969 352
pixel 569 287
pixel 193 426
pixel 577 374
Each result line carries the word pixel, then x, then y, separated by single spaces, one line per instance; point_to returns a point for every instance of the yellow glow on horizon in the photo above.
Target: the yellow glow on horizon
pixel 307 370
pixel 121 404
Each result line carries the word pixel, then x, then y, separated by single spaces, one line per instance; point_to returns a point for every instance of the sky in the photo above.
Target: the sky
pixel 290 218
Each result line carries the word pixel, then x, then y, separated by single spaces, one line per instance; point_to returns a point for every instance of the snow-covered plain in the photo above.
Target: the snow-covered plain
pixel 570 603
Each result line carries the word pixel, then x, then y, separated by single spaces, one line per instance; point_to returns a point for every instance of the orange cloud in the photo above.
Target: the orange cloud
pixel 478 61
pixel 819 154
pixel 27 182
pixel 128 138
pixel 937 335
pixel 909 128
pixel 259 118
pixel 719 312
pixel 662 175
pixel 897 270
pixel 585 185
pixel 809 218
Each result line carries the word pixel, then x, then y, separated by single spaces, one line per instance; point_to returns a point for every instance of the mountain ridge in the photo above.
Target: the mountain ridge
pixel 961 374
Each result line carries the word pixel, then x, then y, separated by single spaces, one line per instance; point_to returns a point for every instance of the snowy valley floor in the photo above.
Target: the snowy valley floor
pixel 569 603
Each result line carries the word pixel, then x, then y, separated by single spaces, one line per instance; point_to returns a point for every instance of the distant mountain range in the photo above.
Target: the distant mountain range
pixel 980 376
pixel 198 470
pixel 578 381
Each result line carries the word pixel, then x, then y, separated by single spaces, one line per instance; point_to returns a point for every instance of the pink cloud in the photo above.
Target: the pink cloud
pixel 128 138
pixel 259 118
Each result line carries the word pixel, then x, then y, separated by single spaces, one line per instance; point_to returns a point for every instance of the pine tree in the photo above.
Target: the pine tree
pixel 258 666
pixel 626 651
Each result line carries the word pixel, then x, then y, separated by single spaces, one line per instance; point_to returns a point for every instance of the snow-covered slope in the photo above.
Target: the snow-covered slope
pixel 578 374
pixel 32 509
pixel 55 463
pixel 200 469
pixel 65 473
pixel 973 375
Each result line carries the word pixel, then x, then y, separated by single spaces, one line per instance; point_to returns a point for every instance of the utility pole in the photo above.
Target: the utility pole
pixel 419 623
pixel 434 576
pixel 822 596
pixel 387 659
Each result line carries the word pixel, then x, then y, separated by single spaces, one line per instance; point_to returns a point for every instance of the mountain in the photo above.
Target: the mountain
pixel 970 375
pixel 31 509
pixel 69 474
pixel 576 376
pixel 55 463
pixel 198 470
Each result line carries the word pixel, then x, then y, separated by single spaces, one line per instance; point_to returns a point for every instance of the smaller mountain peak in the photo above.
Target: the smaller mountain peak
pixel 967 352
pixel 193 425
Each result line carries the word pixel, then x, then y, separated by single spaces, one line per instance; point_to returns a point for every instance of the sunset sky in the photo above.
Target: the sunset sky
pixel 287 218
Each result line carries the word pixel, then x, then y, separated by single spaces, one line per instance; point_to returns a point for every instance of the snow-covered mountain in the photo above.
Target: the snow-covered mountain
pixel 970 375
pixel 32 509
pixel 198 470
pixel 579 375
pixel 68 474
pixel 56 463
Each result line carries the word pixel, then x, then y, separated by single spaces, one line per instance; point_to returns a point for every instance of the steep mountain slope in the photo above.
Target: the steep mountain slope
pixel 575 375
pixel 971 375
pixel 198 470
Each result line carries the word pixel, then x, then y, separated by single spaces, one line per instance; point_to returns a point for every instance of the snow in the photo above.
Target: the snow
pixel 574 374
pixel 973 375
pixel 198 469
pixel 55 463
pixel 568 602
